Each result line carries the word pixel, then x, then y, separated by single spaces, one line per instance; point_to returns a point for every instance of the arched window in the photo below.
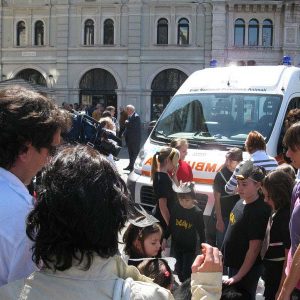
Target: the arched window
pixel 33 76
pixel 21 33
pixel 98 86
pixel 239 33
pixel 108 37
pixel 162 32
pixel 164 86
pixel 39 33
pixel 183 32
pixel 88 32
pixel 267 33
pixel 253 33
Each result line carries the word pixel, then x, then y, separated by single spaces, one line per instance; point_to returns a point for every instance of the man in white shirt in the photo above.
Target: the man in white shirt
pixel 30 126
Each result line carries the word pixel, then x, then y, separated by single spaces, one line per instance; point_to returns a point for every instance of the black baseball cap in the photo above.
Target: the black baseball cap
pixel 249 170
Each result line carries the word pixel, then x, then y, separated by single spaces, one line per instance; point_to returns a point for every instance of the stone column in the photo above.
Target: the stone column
pixel 62 20
pixel 133 89
pixel 219 32
pixel 207 41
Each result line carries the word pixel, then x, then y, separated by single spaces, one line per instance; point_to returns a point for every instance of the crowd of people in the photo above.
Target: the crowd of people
pixel 127 126
pixel 255 209
pixel 64 243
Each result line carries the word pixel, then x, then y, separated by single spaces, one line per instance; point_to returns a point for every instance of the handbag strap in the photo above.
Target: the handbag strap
pixel 222 175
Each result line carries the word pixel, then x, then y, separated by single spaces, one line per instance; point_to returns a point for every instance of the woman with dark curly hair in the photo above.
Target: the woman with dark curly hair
pixel 82 205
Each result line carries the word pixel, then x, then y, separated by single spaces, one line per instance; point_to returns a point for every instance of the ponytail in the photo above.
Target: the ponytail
pixel 161 156
pixel 154 165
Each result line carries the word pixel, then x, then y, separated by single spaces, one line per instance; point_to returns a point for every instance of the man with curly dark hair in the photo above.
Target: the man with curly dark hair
pixel 82 206
pixel 30 126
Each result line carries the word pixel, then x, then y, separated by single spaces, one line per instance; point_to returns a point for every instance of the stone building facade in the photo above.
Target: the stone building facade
pixel 138 51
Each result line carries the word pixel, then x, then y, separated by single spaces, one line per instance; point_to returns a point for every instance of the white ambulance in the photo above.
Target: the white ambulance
pixel 214 110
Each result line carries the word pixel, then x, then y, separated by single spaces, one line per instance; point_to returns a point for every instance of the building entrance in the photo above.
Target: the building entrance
pixel 98 86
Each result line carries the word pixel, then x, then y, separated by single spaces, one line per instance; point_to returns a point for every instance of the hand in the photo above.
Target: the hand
pixel 232 280
pixel 220 226
pixel 209 261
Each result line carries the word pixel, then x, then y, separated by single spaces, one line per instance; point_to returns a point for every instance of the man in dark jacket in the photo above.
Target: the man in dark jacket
pixel 132 135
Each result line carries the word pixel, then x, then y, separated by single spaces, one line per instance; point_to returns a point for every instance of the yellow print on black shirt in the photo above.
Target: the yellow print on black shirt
pixel 183 223
pixel 232 218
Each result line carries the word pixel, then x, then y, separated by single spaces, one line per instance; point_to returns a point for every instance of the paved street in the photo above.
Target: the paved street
pixel 123 163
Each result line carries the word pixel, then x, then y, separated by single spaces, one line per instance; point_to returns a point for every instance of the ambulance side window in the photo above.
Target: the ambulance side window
pixel 294 103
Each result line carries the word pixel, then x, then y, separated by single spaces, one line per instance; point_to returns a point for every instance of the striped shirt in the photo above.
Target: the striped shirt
pixel 259 158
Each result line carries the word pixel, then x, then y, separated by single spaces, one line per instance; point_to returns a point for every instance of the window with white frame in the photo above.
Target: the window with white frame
pixel 21 34
pixel 255 29
pixel 253 32
pixel 162 31
pixel 39 33
pixel 88 38
pixel 183 32
pixel 108 32
pixel 267 33
pixel 239 33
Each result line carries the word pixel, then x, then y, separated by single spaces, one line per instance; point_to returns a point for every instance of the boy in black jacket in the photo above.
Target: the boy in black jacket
pixel 186 224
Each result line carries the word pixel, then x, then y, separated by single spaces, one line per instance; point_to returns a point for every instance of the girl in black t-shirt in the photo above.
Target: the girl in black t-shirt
pixel 224 203
pixel 186 227
pixel 277 188
pixel 164 162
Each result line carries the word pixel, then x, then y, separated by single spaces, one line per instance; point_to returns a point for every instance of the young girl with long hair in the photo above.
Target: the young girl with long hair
pixel 224 203
pixel 142 242
pixel 184 172
pixel 164 162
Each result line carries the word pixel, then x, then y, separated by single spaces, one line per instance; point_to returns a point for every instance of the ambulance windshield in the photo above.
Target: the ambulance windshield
pixel 217 118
